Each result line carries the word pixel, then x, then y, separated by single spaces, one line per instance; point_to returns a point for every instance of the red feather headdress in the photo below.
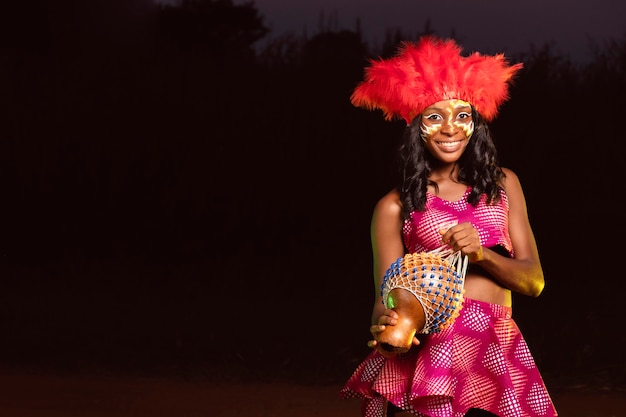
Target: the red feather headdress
pixel 431 70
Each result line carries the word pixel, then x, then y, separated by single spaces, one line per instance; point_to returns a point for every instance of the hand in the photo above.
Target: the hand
pixel 464 237
pixel 388 318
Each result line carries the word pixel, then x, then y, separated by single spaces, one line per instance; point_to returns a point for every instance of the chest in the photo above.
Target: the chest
pixel 421 231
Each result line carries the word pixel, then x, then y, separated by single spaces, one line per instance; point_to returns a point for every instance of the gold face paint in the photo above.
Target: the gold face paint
pixel 427 131
pixel 468 128
pixel 448 114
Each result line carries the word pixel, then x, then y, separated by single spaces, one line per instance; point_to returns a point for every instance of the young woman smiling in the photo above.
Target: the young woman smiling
pixel 453 195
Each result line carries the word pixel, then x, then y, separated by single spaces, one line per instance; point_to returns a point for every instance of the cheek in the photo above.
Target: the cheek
pixel 468 129
pixel 428 131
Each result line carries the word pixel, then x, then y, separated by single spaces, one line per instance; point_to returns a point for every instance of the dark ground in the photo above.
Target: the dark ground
pixel 139 340
pixel 45 395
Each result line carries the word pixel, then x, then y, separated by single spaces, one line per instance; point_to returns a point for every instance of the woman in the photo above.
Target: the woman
pixel 453 195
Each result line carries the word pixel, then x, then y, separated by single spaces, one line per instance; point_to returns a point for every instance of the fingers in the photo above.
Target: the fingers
pixel 463 237
pixel 376 328
pixel 374 345
pixel 388 318
pixel 458 232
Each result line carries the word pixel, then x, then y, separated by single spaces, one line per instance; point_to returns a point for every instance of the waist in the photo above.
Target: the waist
pixel 493 310
pixel 484 288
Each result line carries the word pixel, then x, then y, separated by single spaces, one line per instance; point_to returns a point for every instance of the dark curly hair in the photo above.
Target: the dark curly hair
pixel 478 166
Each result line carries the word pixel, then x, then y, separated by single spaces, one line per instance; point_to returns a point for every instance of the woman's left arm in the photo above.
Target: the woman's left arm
pixel 524 273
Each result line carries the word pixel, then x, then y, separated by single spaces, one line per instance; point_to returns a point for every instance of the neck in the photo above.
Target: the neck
pixel 445 172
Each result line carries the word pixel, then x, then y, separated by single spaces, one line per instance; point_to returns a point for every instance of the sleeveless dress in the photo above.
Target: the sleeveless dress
pixel 480 361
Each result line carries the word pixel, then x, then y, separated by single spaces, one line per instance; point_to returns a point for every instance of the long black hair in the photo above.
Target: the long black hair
pixel 478 166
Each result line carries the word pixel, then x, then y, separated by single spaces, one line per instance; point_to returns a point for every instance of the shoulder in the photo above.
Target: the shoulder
pixel 389 204
pixel 510 182
pixel 389 208
pixel 386 228
pixel 513 188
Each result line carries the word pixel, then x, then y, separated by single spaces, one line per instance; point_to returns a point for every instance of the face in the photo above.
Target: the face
pixel 446 128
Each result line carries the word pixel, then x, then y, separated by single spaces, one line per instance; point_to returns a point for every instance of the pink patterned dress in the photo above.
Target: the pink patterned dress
pixel 480 361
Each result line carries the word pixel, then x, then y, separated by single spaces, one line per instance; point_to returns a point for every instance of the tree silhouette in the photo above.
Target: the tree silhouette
pixel 217 26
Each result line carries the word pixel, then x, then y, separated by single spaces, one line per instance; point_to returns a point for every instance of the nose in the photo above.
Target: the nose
pixel 449 128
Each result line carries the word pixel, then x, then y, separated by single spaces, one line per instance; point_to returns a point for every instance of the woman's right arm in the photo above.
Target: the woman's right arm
pixel 387 247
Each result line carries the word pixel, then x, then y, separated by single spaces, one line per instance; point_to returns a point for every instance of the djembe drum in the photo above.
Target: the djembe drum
pixel 426 290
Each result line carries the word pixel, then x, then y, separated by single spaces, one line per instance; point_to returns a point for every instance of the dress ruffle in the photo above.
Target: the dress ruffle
pixel 480 361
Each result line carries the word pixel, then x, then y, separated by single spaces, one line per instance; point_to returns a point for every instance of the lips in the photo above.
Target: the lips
pixel 450 144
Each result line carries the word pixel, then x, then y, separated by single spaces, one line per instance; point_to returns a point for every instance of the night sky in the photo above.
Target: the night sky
pixel 484 25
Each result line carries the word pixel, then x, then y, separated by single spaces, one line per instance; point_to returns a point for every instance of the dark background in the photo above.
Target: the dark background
pixel 177 201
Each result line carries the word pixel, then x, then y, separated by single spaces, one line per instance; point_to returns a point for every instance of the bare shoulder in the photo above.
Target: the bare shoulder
pixel 387 217
pixel 513 188
pixel 511 182
pixel 386 232
pixel 389 205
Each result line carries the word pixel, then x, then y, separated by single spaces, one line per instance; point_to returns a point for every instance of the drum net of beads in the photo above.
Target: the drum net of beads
pixel 436 279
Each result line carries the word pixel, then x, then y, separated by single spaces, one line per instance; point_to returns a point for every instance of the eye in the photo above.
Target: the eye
pixel 433 117
pixel 464 115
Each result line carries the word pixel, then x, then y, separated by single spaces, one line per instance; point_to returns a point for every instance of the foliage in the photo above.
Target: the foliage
pixel 217 26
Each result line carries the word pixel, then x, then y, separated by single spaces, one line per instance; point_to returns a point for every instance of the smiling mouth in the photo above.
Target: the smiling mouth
pixel 449 144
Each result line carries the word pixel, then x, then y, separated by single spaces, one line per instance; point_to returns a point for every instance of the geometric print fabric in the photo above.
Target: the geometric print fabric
pixel 480 361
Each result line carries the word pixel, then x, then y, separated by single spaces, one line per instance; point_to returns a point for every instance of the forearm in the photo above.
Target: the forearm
pixel 523 276
pixel 377 310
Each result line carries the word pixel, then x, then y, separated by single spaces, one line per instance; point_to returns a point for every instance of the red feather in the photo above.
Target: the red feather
pixel 432 70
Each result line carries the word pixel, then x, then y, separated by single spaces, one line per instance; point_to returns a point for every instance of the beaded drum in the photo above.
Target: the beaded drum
pixel 435 280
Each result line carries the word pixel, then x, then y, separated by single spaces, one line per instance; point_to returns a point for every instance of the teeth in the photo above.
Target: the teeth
pixel 449 144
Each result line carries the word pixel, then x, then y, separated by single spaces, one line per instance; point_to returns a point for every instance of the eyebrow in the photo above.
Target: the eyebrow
pixel 440 109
